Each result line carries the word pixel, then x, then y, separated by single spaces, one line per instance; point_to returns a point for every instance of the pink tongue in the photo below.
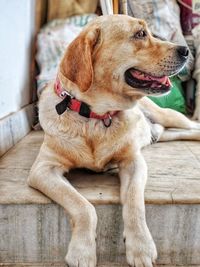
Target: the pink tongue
pixel 146 77
pixel 168 82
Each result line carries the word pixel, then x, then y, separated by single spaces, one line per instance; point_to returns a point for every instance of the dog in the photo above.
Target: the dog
pixel 95 114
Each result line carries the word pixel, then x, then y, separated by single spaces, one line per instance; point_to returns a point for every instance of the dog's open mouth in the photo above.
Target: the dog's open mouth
pixel 146 82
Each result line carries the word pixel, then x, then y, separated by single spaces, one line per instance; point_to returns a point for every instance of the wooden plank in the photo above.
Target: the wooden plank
pixel 40 14
pixel 115 6
pixel 61 9
pixel 40 20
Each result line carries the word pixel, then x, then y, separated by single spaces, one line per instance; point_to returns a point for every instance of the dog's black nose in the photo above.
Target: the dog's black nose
pixel 183 51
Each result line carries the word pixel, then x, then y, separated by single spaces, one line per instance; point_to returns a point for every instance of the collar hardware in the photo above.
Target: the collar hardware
pixel 108 121
pixel 63 94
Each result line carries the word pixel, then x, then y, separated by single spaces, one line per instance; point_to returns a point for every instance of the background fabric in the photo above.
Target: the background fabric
pixel 65 8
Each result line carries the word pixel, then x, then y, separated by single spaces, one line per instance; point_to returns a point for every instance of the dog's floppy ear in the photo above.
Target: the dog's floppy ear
pixel 76 64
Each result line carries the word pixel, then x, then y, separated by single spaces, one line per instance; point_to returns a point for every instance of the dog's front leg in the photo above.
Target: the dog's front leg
pixel 140 247
pixel 50 181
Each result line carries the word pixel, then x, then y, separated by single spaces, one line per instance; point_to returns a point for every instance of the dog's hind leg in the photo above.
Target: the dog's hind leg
pixel 179 134
pixel 160 134
pixel 166 117
pixel 47 176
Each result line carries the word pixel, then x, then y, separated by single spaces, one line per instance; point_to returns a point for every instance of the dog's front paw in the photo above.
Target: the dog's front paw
pixel 81 253
pixel 140 249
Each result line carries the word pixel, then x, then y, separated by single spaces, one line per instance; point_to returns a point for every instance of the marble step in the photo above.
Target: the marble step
pixel 34 230
pixel 64 265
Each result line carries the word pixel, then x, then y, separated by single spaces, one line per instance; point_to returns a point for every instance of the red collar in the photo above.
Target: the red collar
pixel 69 102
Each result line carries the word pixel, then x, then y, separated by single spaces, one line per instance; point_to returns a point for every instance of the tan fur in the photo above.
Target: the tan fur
pixel 92 70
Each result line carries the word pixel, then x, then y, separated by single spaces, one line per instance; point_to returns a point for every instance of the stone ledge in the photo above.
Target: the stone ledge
pixel 174 175
pixel 15 126
pixel 33 233
pixel 64 265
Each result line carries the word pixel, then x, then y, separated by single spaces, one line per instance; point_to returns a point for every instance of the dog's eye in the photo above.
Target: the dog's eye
pixel 140 34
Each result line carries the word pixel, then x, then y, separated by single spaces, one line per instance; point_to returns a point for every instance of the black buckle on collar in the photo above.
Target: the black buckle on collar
pixel 84 110
pixel 63 105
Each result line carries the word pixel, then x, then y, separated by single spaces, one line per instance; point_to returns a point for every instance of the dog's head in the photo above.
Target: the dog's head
pixel 115 60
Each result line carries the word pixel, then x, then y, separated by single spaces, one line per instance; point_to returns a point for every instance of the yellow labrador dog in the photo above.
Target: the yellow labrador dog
pixel 96 114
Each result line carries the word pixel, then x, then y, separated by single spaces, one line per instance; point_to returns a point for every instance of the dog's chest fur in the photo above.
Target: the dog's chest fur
pixel 80 147
pixel 87 143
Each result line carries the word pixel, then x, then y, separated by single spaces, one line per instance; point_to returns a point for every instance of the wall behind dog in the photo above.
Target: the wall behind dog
pixel 16 34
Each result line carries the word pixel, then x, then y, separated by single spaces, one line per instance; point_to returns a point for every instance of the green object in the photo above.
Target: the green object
pixel 175 99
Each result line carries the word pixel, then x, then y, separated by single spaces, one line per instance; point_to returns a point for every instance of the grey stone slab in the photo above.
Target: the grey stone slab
pixel 14 127
pixel 173 175
pixel 41 233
